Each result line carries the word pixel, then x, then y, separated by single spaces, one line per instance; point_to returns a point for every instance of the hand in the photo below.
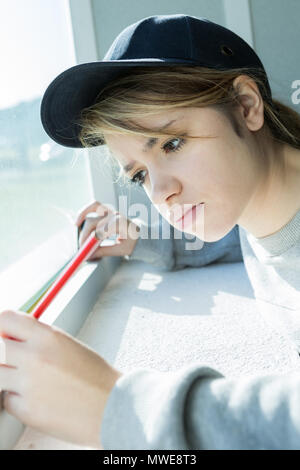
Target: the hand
pixel 53 382
pixel 109 222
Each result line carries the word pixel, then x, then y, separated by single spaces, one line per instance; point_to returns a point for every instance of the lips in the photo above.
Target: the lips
pixel 187 212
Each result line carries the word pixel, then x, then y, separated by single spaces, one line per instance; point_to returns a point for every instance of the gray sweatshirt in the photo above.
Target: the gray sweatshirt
pixel 196 407
pixel 273 267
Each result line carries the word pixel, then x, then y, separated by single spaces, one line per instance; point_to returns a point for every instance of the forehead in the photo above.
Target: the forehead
pixel 194 121
pixel 155 123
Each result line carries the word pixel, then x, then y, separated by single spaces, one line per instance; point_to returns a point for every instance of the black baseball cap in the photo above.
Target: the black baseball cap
pixel 161 40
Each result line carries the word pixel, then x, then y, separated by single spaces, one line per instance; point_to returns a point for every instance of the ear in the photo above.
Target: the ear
pixel 251 102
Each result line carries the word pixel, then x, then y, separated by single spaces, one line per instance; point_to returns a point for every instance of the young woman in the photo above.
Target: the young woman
pixel 185 105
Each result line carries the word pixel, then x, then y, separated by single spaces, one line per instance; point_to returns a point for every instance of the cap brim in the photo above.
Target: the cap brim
pixel 77 88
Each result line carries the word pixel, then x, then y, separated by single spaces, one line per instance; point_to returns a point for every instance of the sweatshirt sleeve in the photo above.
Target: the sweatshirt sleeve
pixel 197 408
pixel 165 247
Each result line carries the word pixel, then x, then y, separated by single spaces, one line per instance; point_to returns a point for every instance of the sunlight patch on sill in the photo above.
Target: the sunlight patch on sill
pixel 177 299
pixel 150 281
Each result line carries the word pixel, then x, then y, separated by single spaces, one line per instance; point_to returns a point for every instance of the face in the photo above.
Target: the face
pixel 178 173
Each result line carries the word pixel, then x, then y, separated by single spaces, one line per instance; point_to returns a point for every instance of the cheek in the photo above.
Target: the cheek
pixel 223 173
pixel 207 174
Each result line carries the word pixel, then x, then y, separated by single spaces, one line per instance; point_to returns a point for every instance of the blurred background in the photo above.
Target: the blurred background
pixel 42 184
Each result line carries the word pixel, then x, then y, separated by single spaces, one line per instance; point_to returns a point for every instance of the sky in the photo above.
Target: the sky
pixel 35 46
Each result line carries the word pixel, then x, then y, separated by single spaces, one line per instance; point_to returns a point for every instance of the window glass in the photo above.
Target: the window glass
pixel 42 184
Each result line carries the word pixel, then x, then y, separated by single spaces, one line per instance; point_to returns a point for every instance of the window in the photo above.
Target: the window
pixel 42 184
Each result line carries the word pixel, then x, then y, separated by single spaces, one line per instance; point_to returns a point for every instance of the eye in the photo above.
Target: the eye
pixel 136 179
pixel 167 148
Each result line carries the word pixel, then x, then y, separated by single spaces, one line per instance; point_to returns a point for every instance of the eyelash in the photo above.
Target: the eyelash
pixel 134 181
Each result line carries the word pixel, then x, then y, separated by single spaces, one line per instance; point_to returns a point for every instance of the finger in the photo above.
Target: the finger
pixel 102 251
pixel 17 324
pixel 89 226
pixel 107 227
pixel 8 379
pixel 124 228
pixel 85 210
pixel 103 210
pixel 12 353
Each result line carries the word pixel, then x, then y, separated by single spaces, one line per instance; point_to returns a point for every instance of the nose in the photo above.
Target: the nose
pixel 164 189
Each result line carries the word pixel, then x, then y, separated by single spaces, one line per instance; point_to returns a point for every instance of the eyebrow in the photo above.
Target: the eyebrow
pixel 148 145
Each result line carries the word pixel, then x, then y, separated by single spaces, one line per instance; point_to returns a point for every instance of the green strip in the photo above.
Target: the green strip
pixel 31 303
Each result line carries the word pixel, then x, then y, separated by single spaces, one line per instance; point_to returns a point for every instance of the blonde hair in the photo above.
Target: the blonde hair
pixel 151 90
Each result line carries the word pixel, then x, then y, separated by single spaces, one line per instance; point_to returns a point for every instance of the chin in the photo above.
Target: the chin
pixel 216 235
pixel 213 234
